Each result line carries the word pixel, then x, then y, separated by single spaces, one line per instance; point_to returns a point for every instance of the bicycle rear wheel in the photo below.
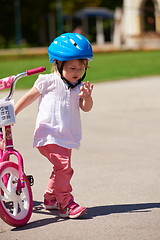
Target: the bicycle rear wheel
pixel 15 209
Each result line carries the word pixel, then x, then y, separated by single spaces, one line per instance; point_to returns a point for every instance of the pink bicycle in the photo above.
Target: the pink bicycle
pixel 15 187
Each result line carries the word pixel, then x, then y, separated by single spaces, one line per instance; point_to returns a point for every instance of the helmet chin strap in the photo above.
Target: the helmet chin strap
pixel 70 85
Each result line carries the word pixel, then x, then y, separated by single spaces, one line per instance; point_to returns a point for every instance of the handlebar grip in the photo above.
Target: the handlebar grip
pixel 35 71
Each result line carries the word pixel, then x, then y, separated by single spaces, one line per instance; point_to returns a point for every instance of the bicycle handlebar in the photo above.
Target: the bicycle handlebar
pixel 35 71
pixel 9 82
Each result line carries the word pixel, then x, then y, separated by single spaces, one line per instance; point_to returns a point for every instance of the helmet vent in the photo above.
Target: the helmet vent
pixel 74 43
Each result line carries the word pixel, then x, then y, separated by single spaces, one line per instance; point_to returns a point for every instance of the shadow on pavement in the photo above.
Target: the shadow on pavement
pixel 91 213
pixel 125 208
pixel 38 223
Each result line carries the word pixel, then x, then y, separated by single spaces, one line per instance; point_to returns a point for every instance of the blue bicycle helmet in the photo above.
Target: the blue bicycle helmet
pixel 69 46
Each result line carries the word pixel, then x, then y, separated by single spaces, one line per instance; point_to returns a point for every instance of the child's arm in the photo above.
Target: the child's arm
pixel 86 101
pixel 26 100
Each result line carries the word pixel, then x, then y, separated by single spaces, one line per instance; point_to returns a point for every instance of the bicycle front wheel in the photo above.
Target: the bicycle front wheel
pixel 15 209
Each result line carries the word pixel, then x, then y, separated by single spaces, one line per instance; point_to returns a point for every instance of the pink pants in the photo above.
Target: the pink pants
pixel 58 187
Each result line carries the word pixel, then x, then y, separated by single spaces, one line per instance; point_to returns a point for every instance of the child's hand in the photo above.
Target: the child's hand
pixel 86 90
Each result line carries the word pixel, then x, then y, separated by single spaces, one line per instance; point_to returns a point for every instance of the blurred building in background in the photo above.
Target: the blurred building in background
pixel 137 25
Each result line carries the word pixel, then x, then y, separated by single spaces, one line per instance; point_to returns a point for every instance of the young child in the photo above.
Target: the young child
pixel 58 125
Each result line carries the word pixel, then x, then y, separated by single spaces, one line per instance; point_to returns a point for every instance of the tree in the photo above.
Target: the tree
pixel 39 16
pixel 6 20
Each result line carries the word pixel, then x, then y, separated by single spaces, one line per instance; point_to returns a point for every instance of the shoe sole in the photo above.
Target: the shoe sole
pixel 78 215
pixel 74 216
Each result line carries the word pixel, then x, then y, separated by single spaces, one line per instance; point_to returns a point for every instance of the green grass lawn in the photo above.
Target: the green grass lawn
pixel 104 67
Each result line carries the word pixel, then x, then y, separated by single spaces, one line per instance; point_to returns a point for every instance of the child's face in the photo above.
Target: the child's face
pixel 73 70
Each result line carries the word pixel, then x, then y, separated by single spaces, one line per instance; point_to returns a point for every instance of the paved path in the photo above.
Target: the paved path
pixel 117 169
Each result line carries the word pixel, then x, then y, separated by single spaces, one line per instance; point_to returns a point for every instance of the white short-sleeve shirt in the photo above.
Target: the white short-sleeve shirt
pixel 58 120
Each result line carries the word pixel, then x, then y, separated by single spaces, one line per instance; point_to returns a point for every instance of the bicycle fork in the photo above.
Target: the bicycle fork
pixel 1 143
pixel 9 150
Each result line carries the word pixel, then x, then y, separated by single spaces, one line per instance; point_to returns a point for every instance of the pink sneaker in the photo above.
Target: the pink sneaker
pixel 73 210
pixel 50 204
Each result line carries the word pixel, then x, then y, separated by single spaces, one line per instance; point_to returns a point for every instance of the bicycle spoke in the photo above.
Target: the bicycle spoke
pixel 4 198
pixel 21 204
pixel 10 183
pixel 23 196
pixel 4 189
pixel 9 191
pixel 15 207
pixel 18 205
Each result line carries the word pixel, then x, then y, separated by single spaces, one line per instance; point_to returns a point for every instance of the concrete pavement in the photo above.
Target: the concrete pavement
pixel 117 168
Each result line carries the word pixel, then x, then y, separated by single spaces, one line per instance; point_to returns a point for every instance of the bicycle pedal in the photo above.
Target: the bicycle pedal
pixel 30 179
